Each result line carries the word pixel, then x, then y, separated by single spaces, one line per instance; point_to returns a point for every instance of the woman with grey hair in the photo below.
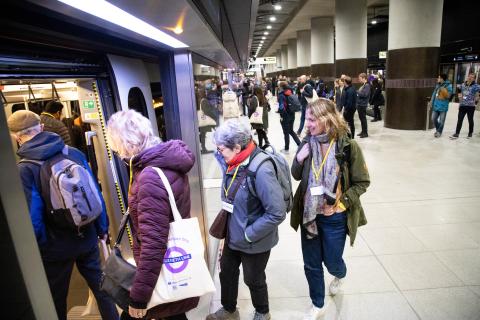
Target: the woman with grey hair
pixel 130 134
pixel 252 227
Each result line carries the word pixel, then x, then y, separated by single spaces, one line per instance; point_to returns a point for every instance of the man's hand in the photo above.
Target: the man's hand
pixel 136 313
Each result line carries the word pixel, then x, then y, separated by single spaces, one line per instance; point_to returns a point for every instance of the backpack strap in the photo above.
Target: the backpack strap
pixel 260 158
pixel 36 162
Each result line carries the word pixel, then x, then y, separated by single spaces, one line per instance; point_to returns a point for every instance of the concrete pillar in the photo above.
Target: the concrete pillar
pixel 292 57
pixel 284 59
pixel 412 61
pixel 351 37
pixel 322 48
pixel 303 52
pixel 278 54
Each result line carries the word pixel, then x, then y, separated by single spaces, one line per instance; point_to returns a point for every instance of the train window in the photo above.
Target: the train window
pixel 136 101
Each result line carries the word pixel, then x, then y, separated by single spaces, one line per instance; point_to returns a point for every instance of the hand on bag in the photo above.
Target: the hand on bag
pixel 136 313
pixel 303 153
pixel 328 210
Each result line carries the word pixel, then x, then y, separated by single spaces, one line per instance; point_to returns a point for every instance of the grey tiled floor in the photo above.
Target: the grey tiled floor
pixel 419 255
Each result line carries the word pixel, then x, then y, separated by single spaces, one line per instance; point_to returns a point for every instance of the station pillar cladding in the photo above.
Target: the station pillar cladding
pixel 292 57
pixel 303 52
pixel 351 38
pixel 414 31
pixel 278 54
pixel 323 48
pixel 284 49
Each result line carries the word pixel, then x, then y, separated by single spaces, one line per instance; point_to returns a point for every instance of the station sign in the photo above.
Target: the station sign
pixel 265 60
pixel 382 55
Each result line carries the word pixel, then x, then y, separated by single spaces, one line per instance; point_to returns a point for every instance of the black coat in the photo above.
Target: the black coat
pixel 377 98
pixel 349 98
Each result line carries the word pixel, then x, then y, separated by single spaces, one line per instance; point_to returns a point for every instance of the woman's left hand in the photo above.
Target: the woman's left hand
pixel 137 313
pixel 328 210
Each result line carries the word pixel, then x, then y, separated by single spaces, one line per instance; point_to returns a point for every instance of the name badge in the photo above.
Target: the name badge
pixel 227 206
pixel 317 191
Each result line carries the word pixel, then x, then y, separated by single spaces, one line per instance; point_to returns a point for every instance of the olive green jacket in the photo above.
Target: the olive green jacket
pixel 355 181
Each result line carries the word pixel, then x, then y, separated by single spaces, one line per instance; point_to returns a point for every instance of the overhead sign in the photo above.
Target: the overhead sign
pixel 382 55
pixel 265 60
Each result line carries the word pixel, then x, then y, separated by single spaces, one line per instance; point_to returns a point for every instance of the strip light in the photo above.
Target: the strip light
pixel 107 11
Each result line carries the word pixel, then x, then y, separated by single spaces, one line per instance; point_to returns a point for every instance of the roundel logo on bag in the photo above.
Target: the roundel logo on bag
pixel 176 259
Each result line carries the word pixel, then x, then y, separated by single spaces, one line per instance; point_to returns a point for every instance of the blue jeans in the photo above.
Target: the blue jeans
pixel 326 248
pixel 302 120
pixel 438 118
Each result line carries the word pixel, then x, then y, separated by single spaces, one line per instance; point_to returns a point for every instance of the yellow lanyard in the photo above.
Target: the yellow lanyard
pixel 48 114
pixel 231 182
pixel 131 175
pixel 315 172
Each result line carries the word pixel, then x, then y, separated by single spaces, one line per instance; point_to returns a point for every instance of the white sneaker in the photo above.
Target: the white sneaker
pixel 285 151
pixel 314 313
pixel 335 286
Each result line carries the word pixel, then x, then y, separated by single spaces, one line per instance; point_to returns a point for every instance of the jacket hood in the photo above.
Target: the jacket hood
pixel 287 92
pixel 42 147
pixel 172 155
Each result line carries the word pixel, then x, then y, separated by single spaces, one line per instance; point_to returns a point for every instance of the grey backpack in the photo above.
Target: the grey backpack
pixel 69 192
pixel 282 170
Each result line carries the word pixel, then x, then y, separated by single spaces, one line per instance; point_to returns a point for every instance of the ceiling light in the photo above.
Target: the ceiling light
pixel 262 42
pixel 263 38
pixel 269 27
pixel 107 11
pixel 374 21
pixel 272 18
pixel 266 33
pixel 277 7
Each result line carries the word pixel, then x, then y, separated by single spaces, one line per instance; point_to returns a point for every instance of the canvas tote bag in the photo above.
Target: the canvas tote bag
pixel 313 98
pixel 184 271
pixel 203 119
pixel 257 116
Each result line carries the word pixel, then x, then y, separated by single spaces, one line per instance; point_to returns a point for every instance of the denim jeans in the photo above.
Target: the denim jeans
pixel 438 118
pixel 327 247
pixel 253 275
pixel 302 119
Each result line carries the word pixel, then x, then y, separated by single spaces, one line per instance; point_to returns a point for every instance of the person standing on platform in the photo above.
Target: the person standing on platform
pixel 258 100
pixel 349 103
pixel 306 91
pixel 337 97
pixel 440 100
pixel 467 96
pixel 362 103
pixel 326 206
pixel 377 100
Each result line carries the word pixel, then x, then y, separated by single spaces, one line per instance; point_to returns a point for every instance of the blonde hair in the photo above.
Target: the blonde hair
pixel 325 110
pixel 129 133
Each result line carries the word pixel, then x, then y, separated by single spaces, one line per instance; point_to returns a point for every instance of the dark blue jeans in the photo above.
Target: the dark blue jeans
pixel 88 264
pixel 302 120
pixel 326 248
pixel 438 118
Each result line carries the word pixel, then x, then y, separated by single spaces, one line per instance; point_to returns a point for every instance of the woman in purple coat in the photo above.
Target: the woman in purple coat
pixel 131 136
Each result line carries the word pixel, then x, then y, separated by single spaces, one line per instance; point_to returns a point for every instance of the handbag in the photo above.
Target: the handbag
pixel 184 272
pixel 257 116
pixel 203 119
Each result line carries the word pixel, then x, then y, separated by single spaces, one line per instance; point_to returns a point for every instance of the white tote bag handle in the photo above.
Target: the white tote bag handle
pixel 173 204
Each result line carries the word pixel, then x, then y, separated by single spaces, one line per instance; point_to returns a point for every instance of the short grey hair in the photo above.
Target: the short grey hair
pixel 231 133
pixel 129 133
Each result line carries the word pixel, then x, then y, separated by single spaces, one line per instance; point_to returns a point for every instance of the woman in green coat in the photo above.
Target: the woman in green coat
pixel 326 205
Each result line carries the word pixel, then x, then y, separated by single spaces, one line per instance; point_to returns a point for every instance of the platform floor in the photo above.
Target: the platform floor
pixel 419 255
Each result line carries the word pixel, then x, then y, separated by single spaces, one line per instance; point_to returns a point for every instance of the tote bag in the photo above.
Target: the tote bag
pixel 313 98
pixel 184 271
pixel 257 116
pixel 204 120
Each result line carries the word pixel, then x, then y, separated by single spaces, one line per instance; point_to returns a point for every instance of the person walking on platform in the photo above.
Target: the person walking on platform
pixel 362 104
pixel 287 114
pixel 468 96
pixel 377 100
pixel 326 206
pixel 349 103
pixel 258 100
pixel 61 244
pixel 440 99
pixel 253 220
pixel 131 135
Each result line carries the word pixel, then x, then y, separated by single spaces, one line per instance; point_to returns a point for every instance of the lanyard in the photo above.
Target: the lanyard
pixel 48 114
pixel 315 172
pixel 131 175
pixel 231 182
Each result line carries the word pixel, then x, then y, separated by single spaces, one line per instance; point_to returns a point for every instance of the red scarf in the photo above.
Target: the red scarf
pixel 242 156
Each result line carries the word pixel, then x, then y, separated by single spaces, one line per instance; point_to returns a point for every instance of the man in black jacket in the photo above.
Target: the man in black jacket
pixel 349 102
pixel 306 91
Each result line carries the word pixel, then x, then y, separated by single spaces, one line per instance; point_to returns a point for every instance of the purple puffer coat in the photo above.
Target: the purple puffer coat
pixel 151 214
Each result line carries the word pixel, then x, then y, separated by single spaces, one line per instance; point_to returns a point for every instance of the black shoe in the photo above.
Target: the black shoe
pixel 205 151
pixel 374 120
pixel 364 135
pixel 361 133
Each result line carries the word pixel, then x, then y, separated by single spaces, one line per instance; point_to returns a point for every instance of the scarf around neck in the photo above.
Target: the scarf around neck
pixel 242 156
pixel 327 178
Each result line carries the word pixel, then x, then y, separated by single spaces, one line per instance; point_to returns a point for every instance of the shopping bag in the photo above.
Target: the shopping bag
pixel 313 98
pixel 257 116
pixel 184 271
pixel 204 120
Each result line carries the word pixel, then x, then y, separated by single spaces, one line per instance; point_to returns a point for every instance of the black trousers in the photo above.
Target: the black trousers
pixel 253 275
pixel 462 111
pixel 348 116
pixel 262 135
pixel 88 264
pixel 362 114
pixel 377 114
pixel 182 316
pixel 287 127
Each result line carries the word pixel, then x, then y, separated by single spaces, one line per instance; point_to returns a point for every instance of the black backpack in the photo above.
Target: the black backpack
pixel 293 104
